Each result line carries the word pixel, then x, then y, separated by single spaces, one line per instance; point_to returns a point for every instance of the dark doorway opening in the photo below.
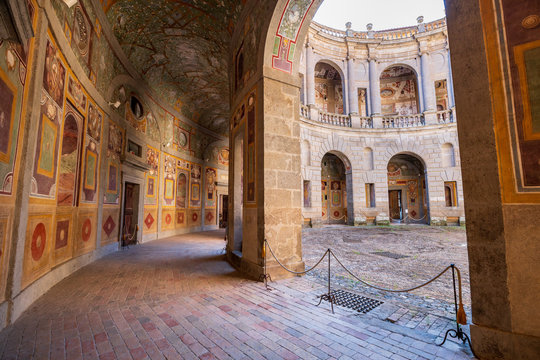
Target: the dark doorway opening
pixel 396 207
pixel 224 211
pixel 131 214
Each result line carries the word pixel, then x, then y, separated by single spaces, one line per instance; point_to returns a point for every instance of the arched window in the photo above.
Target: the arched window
pixel 448 157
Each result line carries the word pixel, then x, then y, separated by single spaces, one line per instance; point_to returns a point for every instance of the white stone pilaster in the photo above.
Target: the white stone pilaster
pixel 310 75
pixel 353 94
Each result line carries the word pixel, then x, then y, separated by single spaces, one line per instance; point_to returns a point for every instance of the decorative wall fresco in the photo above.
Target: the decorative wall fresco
pixel 169 180
pixel 334 190
pixel 90 178
pixel 68 172
pixel 62 250
pixel 109 228
pixel 44 179
pixel 76 94
pixel 182 189
pixel 95 119
pixel 10 95
pixel 399 94
pixel 328 89
pixel 287 33
pixel 84 240
pixel 195 186
pixel 54 76
pixel 210 193
pixel 37 248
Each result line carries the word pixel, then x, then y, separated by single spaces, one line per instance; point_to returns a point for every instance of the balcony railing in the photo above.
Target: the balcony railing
pixel 335 119
pixel 380 122
pixel 445 117
pixel 403 121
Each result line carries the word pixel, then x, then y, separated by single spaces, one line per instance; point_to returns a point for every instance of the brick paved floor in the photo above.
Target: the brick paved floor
pixel 178 299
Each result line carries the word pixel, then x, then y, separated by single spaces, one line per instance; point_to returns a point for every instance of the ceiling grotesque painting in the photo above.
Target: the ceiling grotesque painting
pixel 180 47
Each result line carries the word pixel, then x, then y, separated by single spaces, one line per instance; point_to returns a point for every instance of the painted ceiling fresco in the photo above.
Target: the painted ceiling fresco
pixel 180 47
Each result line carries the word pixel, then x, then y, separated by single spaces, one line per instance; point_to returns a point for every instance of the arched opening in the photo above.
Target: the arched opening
pixel 328 88
pixel 335 200
pixel 70 158
pixel 399 91
pixel 407 196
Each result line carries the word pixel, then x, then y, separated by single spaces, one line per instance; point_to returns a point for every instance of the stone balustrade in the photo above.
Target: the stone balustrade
pixel 445 116
pixel 304 111
pixel 334 119
pixel 403 121
pixel 367 122
pixel 391 34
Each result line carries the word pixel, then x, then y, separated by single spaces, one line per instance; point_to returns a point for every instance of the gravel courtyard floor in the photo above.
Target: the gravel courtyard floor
pixel 421 251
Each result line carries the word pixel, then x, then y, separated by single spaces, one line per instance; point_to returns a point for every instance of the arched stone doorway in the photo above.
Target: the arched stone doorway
pixel 335 195
pixel 328 88
pixel 399 91
pixel 407 193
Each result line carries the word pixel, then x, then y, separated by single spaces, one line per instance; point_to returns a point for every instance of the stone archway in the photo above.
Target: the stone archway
pixel 408 199
pixel 502 304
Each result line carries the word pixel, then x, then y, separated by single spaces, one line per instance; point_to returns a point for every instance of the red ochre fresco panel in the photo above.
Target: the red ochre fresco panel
pixel 109 228
pixel 209 217
pixel 181 220
pixel 167 219
pixel 194 217
pixel 62 244
pixel 150 220
pixel 39 238
pixel 85 233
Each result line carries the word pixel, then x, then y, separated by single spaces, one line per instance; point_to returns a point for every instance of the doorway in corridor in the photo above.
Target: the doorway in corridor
pixel 333 190
pixel 396 207
pixel 407 193
pixel 131 214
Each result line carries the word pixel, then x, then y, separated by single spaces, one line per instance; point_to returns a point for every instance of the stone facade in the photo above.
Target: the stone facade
pixel 368 141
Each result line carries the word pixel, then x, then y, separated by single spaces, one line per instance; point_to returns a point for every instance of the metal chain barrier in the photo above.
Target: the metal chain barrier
pixel 461 318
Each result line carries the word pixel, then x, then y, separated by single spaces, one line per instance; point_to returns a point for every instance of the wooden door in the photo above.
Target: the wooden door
pixel 129 213
pixel 394 198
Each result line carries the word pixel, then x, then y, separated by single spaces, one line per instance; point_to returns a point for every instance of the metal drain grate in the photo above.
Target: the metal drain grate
pixel 354 301
pixel 390 254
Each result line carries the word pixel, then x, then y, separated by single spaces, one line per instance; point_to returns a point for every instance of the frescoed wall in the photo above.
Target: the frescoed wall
pixel 89 124
pixel 333 190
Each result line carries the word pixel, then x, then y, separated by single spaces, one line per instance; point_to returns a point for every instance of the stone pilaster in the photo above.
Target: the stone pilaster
pixel 310 76
pixel 374 87
pixel 353 95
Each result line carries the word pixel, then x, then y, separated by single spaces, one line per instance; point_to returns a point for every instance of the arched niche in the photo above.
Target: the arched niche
pixel 399 90
pixel 448 155
pixel 407 189
pixel 329 88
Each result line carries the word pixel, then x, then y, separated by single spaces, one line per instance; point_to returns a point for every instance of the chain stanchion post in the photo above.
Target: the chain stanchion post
pixel 329 296
pixel 265 276
pixel 458 332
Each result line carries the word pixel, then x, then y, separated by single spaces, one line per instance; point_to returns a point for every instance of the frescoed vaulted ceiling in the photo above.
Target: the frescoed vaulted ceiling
pixel 180 47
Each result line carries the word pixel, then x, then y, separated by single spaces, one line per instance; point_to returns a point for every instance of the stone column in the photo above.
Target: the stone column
pixel 353 95
pixel 310 75
pixel 450 84
pixel 428 87
pixel 374 88
pixel 375 93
